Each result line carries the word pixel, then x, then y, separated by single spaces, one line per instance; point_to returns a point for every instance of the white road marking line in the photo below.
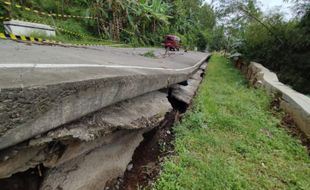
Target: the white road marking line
pixel 46 66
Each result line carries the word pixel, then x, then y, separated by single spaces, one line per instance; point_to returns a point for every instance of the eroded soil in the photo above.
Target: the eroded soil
pixel 145 165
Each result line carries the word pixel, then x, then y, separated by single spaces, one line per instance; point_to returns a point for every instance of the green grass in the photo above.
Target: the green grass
pixel 1 28
pixel 231 140
pixel 150 54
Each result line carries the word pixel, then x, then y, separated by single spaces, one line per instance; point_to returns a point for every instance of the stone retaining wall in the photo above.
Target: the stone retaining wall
pixel 292 102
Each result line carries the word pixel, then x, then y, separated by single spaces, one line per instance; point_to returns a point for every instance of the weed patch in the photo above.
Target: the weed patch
pixel 149 54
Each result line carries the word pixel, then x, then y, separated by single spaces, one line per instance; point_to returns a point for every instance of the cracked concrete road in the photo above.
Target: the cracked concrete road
pixel 23 65
pixel 44 87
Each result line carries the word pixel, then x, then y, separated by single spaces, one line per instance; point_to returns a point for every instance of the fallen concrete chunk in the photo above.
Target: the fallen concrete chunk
pixel 79 137
pixel 19 160
pixel 140 112
pixel 92 170
pixel 204 66
pixel 185 93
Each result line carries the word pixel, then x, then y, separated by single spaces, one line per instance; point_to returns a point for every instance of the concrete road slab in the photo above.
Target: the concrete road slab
pixel 44 87
pixel 22 65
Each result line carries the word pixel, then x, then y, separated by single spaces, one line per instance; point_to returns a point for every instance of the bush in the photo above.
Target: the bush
pixel 201 42
pixel 286 50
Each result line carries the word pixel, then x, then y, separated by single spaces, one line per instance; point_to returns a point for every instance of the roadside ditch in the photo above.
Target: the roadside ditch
pixel 292 105
pixel 288 123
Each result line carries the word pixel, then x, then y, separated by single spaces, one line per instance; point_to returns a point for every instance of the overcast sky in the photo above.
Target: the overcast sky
pixel 273 3
pixel 267 5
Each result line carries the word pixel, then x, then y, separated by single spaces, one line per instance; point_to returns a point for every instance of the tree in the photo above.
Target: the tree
pixel 300 6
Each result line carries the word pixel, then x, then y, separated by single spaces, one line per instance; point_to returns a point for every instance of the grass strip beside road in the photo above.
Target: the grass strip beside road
pixel 231 140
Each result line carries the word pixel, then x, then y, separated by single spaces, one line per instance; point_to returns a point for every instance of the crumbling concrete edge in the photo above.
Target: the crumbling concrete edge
pixel 85 151
pixel 56 105
pixel 77 138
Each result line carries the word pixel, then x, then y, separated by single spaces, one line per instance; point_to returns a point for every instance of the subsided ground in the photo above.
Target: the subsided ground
pixel 232 140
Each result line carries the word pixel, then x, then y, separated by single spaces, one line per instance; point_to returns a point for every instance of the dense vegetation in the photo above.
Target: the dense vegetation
pixel 282 46
pixel 234 25
pixel 139 22
pixel 230 140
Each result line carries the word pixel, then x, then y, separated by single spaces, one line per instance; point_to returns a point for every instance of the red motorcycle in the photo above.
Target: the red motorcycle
pixel 172 43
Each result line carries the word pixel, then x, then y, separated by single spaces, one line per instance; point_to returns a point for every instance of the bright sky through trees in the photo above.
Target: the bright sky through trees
pixel 268 5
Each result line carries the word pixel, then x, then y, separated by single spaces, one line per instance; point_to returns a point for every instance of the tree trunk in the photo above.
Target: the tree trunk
pixel 117 28
pixel 154 26
pixel 62 7
pixel 98 26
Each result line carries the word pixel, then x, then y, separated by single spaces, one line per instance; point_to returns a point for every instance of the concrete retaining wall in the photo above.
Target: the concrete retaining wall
pixel 27 28
pixel 292 102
